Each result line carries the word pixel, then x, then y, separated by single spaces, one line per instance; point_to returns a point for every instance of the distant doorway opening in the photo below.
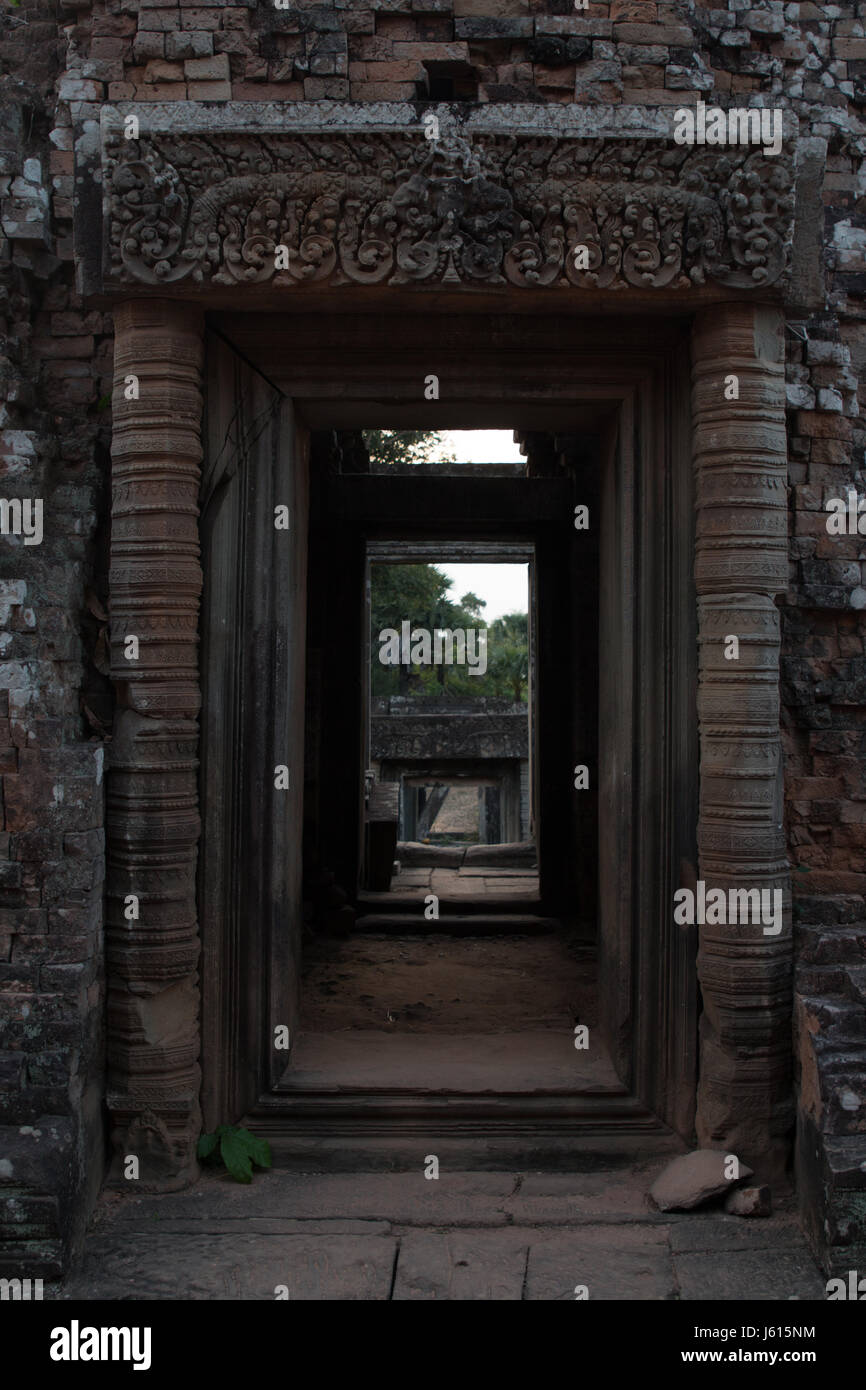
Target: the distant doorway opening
pixel 464 936
pixel 448 733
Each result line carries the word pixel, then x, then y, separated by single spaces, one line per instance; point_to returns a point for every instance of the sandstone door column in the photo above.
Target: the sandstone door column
pixel 153 817
pixel 741 563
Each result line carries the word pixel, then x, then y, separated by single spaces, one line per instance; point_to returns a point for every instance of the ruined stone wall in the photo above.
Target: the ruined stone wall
pixel 424 726
pixel 54 703
pixel 808 57
pixel 493 50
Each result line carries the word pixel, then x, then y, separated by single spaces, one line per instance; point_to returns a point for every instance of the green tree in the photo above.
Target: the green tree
pixel 507 674
pixel 508 657
pixel 472 604
pixel 418 594
pixel 404 446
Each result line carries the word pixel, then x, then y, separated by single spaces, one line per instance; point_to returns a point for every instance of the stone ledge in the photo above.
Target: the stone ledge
pixel 625 122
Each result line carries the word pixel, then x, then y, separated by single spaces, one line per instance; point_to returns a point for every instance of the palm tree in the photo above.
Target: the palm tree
pixel 508 656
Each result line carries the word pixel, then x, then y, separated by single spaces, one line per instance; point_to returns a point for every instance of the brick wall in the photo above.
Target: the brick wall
pixel 53 700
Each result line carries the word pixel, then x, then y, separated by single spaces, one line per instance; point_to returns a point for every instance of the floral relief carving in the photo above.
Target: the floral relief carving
pixel 396 208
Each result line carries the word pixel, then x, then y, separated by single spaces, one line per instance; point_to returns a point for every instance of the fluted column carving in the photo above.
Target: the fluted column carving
pixel 741 563
pixel 153 817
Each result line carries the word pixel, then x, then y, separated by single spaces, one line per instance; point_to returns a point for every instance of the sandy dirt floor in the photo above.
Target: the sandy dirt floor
pixel 431 984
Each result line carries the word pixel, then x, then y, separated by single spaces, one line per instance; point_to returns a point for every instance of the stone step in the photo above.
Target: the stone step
pixel 414 854
pixel 451 923
pixel 822 981
pixel 362 1133
pixel 369 1061
pixel 369 1099
pixel 856 977
pixel 413 903
pixel 837 945
pixel 515 856
pixel 840 1019
pixel 358 1132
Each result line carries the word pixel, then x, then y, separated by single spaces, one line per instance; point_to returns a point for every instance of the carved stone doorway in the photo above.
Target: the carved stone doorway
pixel 571 376
pixel 460 260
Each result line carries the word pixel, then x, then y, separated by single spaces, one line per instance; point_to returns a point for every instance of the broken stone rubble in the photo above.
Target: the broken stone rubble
pixel 695 1178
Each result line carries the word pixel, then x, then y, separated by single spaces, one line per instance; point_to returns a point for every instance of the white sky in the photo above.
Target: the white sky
pixel 505 587
pixel 480 446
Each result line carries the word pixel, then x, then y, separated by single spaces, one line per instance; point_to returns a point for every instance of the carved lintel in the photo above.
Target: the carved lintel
pixel 153 817
pixel 203 211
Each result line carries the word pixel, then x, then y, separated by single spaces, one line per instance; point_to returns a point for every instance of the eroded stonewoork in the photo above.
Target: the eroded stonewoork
pixel 741 563
pixel 153 813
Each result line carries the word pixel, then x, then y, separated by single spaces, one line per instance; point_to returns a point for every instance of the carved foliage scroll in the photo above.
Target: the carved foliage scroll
pixel 397 209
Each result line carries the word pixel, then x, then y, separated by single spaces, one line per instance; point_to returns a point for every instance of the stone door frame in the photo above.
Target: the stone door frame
pixel 402 551
pixel 740 566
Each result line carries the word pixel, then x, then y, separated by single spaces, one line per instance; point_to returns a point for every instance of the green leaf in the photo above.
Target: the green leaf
pixel 207 1145
pixel 234 1149
pixel 259 1150
pixel 238 1149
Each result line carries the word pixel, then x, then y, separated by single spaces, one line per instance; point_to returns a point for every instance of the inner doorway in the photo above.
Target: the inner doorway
pixel 606 430
pixel 448 723
pixel 469 952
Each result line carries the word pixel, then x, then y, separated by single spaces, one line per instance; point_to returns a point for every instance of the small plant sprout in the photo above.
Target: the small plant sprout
pixel 237 1149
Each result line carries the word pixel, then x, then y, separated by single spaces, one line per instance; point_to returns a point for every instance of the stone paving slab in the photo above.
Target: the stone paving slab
pixel 610 1262
pixel 749 1275
pixel 556 1198
pixel 715 1230
pixel 320 1267
pixel 407 1199
pixel 464 1236
pixel 462 1265
pixel 519 886
pixel 263 1226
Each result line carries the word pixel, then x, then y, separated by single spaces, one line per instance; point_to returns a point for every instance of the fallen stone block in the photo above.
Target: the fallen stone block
pixel 749 1201
pixel 695 1178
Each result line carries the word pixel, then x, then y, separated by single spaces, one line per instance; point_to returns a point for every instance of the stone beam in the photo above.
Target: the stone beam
pixel 536 201
pixel 741 563
pixel 153 817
